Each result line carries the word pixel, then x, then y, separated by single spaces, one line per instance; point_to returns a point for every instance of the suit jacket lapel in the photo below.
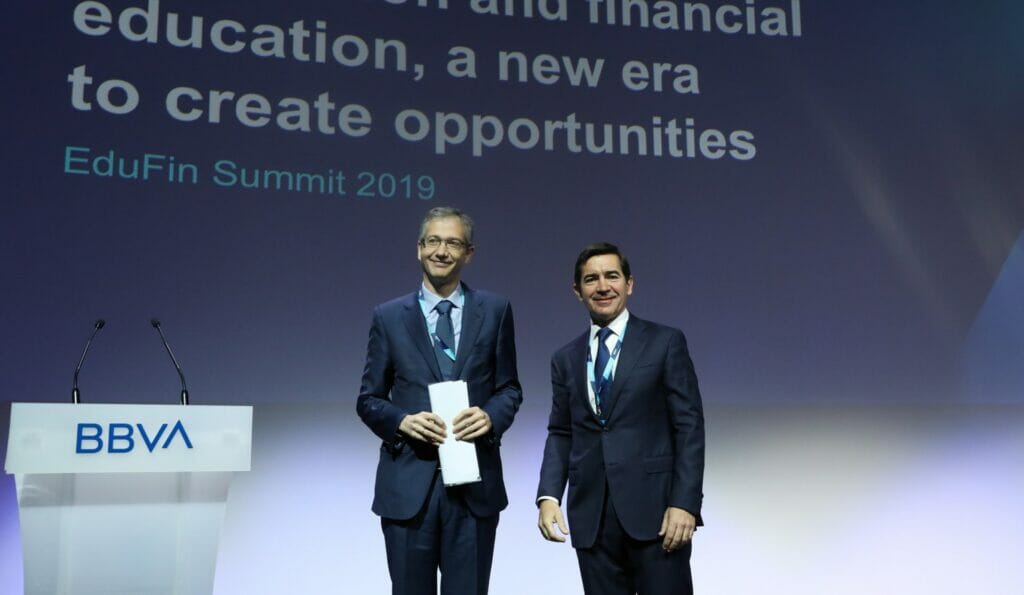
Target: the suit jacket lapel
pixel 472 319
pixel 632 347
pixel 417 327
pixel 579 364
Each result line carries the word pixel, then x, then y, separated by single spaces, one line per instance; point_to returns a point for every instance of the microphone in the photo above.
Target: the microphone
pixel 181 375
pixel 100 323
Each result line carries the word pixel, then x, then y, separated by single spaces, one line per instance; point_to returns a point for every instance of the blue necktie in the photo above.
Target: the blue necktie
pixel 445 335
pixel 602 388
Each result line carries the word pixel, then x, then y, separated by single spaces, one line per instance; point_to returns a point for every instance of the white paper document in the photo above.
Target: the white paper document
pixel 458 459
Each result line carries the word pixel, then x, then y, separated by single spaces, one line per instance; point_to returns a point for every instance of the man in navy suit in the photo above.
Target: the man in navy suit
pixel 443 331
pixel 626 432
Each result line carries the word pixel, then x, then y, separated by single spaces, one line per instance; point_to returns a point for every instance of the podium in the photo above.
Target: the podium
pixel 124 499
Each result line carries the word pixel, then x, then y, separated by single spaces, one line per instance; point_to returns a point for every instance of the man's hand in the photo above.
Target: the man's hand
pixel 551 515
pixel 471 424
pixel 677 528
pixel 423 426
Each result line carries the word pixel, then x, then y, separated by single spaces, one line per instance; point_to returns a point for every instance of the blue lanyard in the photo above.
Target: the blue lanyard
pixel 447 350
pixel 607 373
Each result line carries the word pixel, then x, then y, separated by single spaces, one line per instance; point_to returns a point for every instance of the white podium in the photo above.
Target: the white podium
pixel 123 499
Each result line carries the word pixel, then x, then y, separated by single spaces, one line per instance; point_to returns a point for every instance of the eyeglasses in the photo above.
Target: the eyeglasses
pixel 453 244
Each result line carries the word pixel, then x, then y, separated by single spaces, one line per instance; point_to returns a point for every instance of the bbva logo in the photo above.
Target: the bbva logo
pixel 121 437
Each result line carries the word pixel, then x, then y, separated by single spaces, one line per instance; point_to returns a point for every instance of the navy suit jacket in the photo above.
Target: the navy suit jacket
pixel 400 364
pixel 650 454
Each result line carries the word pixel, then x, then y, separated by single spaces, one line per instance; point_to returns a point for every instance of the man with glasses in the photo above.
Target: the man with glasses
pixel 444 331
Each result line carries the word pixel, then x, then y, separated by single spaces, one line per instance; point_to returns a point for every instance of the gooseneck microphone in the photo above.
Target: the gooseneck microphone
pixel 181 375
pixel 74 383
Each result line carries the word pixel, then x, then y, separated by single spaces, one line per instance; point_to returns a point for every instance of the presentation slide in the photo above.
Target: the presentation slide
pixel 827 198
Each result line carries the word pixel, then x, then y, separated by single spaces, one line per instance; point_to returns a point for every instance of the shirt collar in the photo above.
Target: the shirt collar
pixel 430 299
pixel 618 326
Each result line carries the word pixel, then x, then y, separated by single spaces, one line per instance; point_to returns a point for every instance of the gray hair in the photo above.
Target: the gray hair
pixel 444 213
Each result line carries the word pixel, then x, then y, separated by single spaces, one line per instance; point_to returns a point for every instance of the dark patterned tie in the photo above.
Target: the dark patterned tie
pixel 444 341
pixel 601 387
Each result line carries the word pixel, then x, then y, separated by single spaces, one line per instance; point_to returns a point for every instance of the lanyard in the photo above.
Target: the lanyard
pixel 606 374
pixel 447 350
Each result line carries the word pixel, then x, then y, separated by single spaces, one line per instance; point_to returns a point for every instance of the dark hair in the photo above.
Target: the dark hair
pixel 598 249
pixel 443 213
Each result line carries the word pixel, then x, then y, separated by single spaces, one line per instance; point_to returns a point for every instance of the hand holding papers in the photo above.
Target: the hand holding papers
pixel 458 459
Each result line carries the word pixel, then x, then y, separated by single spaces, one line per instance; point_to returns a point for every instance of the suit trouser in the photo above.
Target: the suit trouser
pixel 617 564
pixel 443 535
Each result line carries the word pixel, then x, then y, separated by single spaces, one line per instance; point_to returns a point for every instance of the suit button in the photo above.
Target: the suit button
pixel 605 429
